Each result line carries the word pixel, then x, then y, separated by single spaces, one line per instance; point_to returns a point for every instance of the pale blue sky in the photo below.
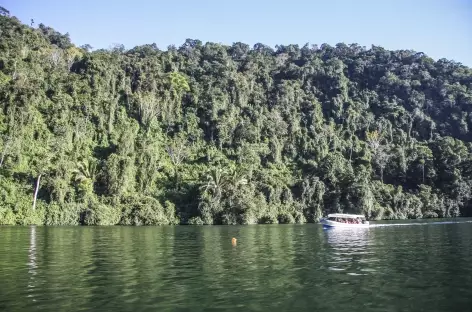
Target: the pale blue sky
pixel 439 28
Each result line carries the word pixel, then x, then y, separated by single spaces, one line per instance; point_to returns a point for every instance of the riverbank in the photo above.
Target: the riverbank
pixel 74 214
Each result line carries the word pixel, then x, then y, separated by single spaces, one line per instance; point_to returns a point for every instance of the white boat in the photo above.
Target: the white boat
pixel 344 220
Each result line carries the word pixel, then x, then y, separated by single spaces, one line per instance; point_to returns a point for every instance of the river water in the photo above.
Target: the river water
pixel 388 267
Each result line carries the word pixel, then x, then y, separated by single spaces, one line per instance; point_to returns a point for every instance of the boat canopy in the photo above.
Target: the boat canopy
pixel 345 215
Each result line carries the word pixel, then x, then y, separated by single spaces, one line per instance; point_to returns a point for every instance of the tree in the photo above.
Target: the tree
pixel 4 12
pixel 216 134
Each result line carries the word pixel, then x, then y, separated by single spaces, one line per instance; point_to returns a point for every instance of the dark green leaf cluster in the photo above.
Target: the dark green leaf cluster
pixel 215 134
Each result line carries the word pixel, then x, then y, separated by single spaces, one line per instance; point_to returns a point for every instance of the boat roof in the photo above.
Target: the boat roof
pixel 345 215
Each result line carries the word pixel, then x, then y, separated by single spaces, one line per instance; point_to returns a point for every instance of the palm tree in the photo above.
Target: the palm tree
pixel 84 175
pixel 220 182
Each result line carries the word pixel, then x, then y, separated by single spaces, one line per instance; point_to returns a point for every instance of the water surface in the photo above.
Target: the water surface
pixel 272 268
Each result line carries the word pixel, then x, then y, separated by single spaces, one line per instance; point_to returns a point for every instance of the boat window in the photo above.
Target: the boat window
pixel 332 219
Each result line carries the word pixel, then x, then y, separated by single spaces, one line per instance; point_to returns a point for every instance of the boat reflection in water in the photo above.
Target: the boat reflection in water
pixel 347 237
pixel 349 251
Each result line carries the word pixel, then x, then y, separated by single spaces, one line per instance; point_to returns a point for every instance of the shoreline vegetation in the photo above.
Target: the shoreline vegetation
pixel 207 133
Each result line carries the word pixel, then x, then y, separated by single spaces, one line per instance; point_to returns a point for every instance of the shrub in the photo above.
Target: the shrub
pixel 102 214
pixel 64 214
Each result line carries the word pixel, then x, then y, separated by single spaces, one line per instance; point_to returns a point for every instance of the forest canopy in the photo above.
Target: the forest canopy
pixel 207 133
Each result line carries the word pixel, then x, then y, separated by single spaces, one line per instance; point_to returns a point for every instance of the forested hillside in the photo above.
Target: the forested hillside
pixel 215 134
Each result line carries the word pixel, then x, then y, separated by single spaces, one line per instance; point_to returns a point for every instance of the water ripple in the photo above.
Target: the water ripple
pixel 272 268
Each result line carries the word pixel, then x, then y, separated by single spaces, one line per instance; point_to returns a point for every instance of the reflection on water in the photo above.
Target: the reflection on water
pixel 272 268
pixel 347 237
pixel 32 259
pixel 348 249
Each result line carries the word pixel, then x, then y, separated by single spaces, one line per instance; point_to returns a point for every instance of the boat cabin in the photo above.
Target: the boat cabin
pixel 347 218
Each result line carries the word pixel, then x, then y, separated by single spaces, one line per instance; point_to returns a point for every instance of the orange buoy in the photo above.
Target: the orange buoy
pixel 233 241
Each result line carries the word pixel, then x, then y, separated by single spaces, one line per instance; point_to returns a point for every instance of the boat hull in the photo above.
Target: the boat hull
pixel 334 224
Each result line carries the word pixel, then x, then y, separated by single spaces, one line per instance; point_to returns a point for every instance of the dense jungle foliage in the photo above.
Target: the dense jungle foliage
pixel 215 134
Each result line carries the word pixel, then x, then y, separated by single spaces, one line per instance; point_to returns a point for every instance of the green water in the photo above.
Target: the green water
pixel 272 268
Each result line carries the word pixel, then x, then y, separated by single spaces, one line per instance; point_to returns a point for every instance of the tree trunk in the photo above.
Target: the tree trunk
pixel 3 158
pixel 4 152
pixel 350 153
pixel 36 192
pixel 410 127
pixel 423 173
